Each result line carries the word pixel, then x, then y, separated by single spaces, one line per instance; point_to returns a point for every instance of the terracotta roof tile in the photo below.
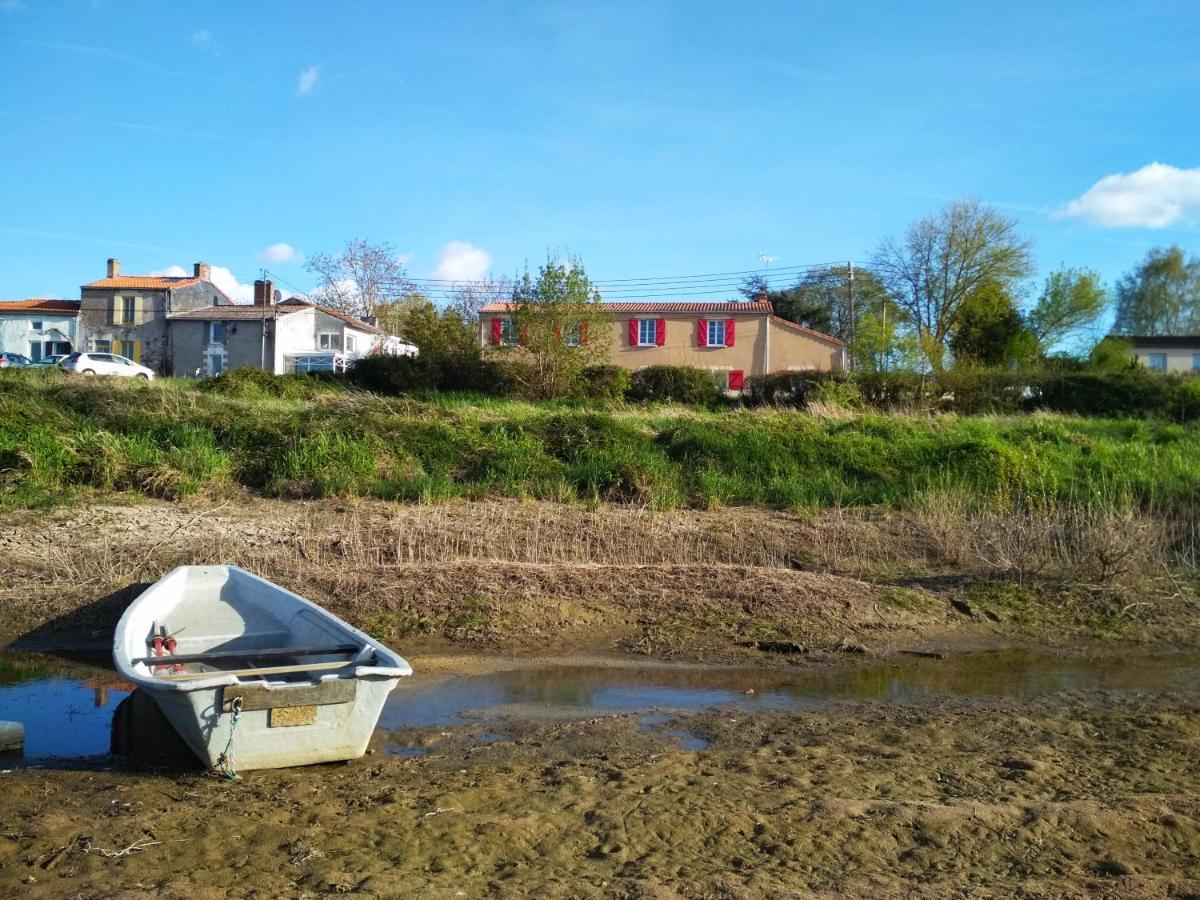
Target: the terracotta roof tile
pixel 148 282
pixel 39 305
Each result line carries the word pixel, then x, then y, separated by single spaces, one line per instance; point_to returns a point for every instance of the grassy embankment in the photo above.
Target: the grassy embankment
pixel 655 521
pixel 62 439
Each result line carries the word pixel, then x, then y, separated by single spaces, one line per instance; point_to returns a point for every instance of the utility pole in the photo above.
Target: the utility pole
pixel 850 290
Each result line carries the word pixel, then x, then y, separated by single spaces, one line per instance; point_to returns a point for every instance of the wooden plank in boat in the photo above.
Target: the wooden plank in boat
pixel 322 693
pixel 248 654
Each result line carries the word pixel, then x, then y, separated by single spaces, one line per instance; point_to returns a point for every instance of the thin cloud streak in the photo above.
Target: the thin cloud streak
pixel 140 126
pixel 84 239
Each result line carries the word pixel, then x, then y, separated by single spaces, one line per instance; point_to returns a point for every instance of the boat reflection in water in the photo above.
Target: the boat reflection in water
pixel 143 737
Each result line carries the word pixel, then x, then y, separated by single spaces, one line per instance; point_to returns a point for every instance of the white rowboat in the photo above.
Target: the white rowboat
pixel 305 686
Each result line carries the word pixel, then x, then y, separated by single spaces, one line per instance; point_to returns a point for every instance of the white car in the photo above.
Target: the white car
pixel 105 364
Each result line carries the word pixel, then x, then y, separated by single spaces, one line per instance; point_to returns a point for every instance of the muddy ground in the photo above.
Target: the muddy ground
pixel 1072 796
pixel 1076 795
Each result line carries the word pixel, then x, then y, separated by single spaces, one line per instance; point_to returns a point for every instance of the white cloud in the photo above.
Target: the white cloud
pixel 307 80
pixel 170 272
pixel 221 277
pixel 280 253
pixel 460 261
pixel 202 39
pixel 1155 196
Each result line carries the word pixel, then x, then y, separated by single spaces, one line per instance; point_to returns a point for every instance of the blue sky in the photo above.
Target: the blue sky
pixel 650 139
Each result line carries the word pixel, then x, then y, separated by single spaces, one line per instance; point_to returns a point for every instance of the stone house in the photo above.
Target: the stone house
pixel 38 328
pixel 289 336
pixel 127 314
pixel 736 339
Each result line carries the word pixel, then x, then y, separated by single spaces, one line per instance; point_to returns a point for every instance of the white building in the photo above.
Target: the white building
pixel 1167 353
pixel 292 336
pixel 38 328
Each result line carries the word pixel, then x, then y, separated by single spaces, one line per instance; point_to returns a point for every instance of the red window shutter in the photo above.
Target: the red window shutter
pixel 737 378
pixel 583 332
pixel 660 332
pixel 702 332
pixel 497 330
pixel 633 332
pixel 523 335
pixel 729 332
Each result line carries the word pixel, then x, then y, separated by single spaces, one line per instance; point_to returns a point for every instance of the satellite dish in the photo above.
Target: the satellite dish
pixel 278 296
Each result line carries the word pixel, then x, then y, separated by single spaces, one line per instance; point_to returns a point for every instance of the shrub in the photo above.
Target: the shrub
pixel 678 384
pixel 1127 393
pixel 780 389
pixel 250 381
pixel 610 383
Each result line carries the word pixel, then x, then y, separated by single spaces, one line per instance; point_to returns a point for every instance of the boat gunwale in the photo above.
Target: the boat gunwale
pixel 143 679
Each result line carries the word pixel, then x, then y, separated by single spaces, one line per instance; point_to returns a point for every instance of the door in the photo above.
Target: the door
pixel 216 363
pixel 35 351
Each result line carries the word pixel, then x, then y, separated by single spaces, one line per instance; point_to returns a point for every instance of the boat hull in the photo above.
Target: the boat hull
pixel 294 714
pixel 338 731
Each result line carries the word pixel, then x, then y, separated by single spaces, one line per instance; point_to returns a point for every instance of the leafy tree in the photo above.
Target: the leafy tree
pixel 561 327
pixel 1112 354
pixel 989 330
pixel 1161 296
pixel 1071 299
pixel 942 261
pixel 359 278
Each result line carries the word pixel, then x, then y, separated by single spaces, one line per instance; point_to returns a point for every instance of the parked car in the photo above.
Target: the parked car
pixel 47 362
pixel 13 360
pixel 105 364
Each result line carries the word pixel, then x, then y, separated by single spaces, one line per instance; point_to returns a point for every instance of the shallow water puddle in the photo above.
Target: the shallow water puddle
pixel 67 708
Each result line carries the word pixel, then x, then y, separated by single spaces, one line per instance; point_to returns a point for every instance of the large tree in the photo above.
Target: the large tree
pixel 1072 299
pixel 942 260
pixel 1161 296
pixel 561 328
pixel 361 277
pixel 822 299
pixel 990 330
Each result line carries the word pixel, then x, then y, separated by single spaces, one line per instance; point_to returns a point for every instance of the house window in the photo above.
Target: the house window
pixel 216 332
pixel 1196 362
pixel 647 329
pixel 125 310
pixel 37 326
pixel 101 346
pixel 716 332
pixel 350 343
pixel 1156 361
pixel 508 332
pixel 328 340
pixel 128 349
pixel 570 335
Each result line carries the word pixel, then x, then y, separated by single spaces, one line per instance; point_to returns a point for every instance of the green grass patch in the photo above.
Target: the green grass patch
pixel 62 438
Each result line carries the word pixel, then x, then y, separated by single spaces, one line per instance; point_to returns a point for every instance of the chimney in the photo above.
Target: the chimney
pixel 762 296
pixel 202 270
pixel 264 293
pixel 114 268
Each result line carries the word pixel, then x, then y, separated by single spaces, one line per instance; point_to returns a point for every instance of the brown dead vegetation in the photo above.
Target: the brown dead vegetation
pixel 543 575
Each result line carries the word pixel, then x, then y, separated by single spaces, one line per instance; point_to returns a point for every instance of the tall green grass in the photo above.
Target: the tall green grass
pixel 65 438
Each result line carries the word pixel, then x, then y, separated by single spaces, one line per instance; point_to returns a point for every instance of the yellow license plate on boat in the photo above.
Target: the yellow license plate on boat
pixel 286 716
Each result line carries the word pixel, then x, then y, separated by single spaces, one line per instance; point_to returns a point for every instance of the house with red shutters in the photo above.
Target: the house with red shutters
pixel 737 339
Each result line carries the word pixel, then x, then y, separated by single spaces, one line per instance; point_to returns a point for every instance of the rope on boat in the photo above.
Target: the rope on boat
pixel 225 761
